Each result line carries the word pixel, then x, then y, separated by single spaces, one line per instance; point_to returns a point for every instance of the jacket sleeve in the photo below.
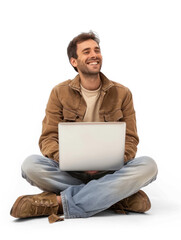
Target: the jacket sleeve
pixel 48 141
pixel 129 117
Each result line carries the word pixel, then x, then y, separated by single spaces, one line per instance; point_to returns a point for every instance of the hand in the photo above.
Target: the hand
pixel 91 172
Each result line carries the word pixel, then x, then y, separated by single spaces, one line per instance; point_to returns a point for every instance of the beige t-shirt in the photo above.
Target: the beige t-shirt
pixel 92 99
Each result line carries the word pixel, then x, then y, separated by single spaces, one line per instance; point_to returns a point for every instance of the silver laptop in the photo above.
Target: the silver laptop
pixel 86 146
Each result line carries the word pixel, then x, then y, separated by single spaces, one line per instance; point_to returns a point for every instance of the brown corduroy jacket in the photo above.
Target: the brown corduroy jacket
pixel 67 104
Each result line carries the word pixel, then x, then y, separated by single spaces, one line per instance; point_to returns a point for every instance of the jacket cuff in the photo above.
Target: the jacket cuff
pixel 56 156
pixel 125 158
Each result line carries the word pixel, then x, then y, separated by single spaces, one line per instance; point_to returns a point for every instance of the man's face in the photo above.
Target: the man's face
pixel 89 59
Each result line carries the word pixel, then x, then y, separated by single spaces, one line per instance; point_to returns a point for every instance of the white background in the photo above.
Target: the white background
pixel 141 48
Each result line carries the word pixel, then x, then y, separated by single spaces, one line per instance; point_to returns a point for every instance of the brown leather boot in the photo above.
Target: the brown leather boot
pixel 138 202
pixel 43 204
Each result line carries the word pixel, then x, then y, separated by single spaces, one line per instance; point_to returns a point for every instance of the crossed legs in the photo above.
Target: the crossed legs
pixel 84 200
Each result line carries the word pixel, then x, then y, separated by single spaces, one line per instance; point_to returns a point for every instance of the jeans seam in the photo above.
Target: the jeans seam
pixel 65 205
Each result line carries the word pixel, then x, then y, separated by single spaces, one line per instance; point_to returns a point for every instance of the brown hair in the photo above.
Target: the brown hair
pixel 72 47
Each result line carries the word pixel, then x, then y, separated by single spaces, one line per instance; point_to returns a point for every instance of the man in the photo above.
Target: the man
pixel 90 96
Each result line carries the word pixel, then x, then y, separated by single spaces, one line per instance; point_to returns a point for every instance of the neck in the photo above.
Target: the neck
pixel 90 82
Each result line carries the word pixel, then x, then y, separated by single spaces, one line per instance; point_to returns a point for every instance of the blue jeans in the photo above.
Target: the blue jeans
pixel 83 196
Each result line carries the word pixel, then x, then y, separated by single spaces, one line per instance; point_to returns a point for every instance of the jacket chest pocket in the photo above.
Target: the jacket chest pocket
pixel 114 116
pixel 69 116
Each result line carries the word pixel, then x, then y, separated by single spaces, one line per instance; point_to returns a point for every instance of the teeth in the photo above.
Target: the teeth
pixel 93 63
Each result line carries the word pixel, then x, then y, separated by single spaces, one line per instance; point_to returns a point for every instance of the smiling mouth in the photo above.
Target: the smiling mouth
pixel 93 63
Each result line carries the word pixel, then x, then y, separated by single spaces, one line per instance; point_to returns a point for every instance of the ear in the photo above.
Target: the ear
pixel 73 61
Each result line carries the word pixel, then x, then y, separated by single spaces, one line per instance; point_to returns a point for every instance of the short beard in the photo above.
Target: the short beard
pixel 87 72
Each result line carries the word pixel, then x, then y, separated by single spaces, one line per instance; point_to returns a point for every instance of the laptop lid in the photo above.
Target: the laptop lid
pixel 86 146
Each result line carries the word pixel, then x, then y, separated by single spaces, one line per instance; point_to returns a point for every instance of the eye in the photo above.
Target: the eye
pixel 86 52
pixel 97 51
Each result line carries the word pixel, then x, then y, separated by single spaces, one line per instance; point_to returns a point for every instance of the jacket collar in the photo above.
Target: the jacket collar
pixel 106 83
